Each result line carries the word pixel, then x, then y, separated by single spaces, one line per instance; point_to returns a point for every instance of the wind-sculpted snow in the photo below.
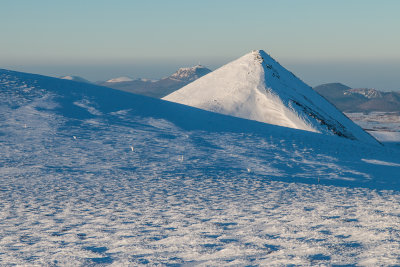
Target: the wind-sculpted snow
pixel 91 175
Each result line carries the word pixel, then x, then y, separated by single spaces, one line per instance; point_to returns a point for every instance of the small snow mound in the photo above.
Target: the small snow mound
pixel 145 80
pixel 120 79
pixel 68 77
pixel 74 78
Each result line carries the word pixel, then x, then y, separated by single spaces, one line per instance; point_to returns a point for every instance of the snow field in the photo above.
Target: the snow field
pixel 251 194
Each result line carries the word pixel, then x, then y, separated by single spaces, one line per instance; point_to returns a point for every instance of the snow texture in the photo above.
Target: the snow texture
pixel 256 87
pixel 91 175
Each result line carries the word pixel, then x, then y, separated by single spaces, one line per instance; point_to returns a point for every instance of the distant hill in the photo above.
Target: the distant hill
pixel 190 74
pixel 359 99
pixel 75 79
pixel 158 88
pixel 120 79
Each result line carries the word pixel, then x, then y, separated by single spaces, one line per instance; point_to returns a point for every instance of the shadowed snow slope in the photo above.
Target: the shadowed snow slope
pixel 91 175
pixel 256 87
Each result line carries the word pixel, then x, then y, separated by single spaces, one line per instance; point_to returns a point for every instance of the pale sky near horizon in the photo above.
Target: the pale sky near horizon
pixel 353 42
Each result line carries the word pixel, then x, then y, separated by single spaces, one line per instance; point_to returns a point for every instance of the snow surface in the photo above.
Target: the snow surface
pixel 120 79
pixel 256 87
pixel 91 175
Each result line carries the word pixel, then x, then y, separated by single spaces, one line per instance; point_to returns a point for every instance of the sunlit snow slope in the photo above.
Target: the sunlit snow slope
pixel 257 87
pixel 89 175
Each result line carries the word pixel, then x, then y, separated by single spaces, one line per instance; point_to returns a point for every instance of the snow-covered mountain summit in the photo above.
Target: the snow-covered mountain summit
pixel 190 74
pixel 256 87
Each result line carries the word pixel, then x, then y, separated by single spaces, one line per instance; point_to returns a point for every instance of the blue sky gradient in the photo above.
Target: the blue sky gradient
pixel 354 42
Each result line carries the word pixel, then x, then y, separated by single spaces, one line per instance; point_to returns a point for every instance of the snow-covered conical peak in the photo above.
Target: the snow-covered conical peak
pixel 257 87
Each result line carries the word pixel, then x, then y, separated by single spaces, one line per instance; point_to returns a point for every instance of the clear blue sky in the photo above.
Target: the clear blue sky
pixel 354 42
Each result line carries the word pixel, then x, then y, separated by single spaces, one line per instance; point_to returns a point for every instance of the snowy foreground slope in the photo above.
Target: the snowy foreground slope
pixel 91 175
pixel 256 87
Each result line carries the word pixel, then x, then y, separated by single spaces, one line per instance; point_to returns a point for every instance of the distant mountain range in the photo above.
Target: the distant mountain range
pixel 359 99
pixel 345 98
pixel 158 88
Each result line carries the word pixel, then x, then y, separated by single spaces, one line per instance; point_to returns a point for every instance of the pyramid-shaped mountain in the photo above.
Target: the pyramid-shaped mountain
pixel 256 87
